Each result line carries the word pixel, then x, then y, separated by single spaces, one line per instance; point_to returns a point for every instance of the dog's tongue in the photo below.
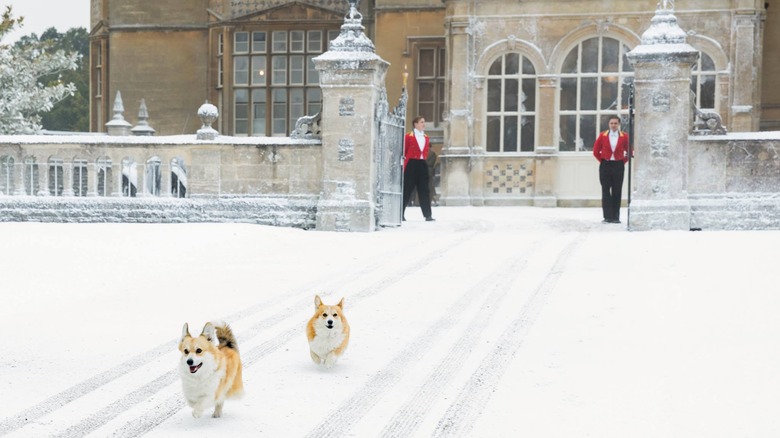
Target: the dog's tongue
pixel 195 368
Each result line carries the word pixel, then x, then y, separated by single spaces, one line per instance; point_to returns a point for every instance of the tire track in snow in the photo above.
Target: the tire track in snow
pixel 94 383
pixel 460 417
pixel 339 422
pixel 406 421
pixel 157 415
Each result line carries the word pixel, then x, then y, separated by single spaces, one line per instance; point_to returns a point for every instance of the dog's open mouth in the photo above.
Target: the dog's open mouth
pixel 195 368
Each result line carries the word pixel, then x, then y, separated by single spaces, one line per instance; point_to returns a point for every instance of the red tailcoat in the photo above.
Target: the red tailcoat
pixel 412 149
pixel 603 151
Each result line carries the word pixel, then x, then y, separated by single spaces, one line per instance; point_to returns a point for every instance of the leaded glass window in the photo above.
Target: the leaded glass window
pixel 511 105
pixel 596 80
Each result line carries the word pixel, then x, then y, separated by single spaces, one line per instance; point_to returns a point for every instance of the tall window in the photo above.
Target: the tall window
pixel 431 100
pixel 511 105
pixel 97 51
pixel 595 81
pixel 7 175
pixel 274 80
pixel 153 180
pixel 80 177
pixel 31 186
pixel 178 178
pixel 129 177
pixel 703 82
pixel 104 176
pixel 55 177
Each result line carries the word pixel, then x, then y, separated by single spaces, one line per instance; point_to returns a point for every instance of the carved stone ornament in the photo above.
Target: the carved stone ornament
pixel 346 149
pixel 659 146
pixel 662 101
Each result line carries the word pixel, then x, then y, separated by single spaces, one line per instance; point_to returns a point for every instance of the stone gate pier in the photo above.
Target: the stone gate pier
pixel 662 68
pixel 351 76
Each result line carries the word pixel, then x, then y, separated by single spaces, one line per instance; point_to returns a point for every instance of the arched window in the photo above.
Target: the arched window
pixel 703 82
pixel 7 175
pixel 153 176
pixel 30 176
pixel 596 78
pixel 104 176
pixel 129 178
pixel 80 177
pixel 511 105
pixel 56 178
pixel 178 178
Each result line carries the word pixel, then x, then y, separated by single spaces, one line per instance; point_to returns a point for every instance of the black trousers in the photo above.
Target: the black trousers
pixel 416 177
pixel 611 177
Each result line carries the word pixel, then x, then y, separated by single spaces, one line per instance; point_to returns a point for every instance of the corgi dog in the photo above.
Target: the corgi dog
pixel 210 368
pixel 328 333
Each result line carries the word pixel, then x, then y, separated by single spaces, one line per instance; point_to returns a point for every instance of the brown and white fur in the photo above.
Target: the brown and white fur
pixel 210 368
pixel 328 333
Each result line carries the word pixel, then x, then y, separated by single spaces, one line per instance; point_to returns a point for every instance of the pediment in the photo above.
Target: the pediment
pixel 295 11
pixel 101 28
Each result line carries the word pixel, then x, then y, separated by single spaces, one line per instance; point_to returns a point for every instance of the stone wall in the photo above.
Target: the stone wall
pixel 272 181
pixel 734 181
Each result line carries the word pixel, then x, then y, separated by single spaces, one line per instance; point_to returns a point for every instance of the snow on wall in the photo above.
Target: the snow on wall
pixel 269 181
pixel 734 181
pixel 287 211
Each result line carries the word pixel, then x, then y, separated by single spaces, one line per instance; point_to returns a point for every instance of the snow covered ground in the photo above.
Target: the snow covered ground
pixel 489 322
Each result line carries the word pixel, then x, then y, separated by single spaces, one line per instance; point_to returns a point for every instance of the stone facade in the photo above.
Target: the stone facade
pixel 176 57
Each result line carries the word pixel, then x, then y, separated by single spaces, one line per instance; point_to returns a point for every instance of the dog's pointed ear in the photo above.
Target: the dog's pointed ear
pixel 209 332
pixel 317 302
pixel 341 304
pixel 185 331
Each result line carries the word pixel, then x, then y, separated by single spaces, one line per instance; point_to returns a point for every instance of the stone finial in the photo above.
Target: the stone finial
pixel 143 128
pixel 663 27
pixel 208 113
pixel 118 125
pixel 666 5
pixel 352 38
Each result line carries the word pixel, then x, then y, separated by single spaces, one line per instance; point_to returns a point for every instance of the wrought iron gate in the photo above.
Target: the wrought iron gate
pixel 389 160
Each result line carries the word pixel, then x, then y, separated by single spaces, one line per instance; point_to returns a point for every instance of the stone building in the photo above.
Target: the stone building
pixel 514 92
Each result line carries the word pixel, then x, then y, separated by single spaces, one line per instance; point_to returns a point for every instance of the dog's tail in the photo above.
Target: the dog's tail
pixel 226 336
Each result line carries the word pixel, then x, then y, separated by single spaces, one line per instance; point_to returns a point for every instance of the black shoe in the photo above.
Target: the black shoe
pixel 615 221
pixel 429 219
pixel 604 221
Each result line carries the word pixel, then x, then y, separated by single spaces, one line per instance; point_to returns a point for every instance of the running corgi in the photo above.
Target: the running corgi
pixel 210 368
pixel 328 333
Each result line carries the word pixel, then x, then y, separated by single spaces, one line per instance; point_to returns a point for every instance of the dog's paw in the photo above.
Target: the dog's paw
pixel 196 413
pixel 330 361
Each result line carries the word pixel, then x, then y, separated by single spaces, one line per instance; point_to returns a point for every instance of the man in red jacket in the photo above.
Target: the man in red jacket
pixel 611 149
pixel 417 145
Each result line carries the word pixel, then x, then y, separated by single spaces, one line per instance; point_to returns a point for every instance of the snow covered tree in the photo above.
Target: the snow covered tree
pixel 23 97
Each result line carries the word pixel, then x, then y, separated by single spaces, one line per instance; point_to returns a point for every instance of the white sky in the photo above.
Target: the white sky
pixel 40 15
pixel 490 322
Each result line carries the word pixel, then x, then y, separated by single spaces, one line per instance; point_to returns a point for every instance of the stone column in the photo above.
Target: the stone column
pixel 457 157
pixel 352 78
pixel 165 179
pixel 43 179
pixel 546 160
pixel 745 107
pixel 662 68
pixel 116 189
pixel 92 179
pixel 140 179
pixel 18 178
pixel 67 179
